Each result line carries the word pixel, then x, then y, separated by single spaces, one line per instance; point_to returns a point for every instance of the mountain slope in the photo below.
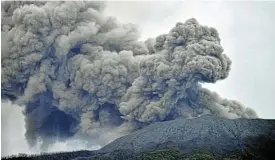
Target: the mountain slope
pixel 212 133
pixel 181 139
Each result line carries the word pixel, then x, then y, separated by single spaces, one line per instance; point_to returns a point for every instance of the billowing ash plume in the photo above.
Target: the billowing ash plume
pixel 78 72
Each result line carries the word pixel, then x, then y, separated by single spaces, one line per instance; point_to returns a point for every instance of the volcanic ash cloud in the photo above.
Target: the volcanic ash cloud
pixel 79 72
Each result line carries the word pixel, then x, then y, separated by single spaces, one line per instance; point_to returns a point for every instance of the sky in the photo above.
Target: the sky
pixel 247 33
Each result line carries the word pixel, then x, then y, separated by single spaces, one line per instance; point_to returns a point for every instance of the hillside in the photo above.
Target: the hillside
pixel 215 134
pixel 205 137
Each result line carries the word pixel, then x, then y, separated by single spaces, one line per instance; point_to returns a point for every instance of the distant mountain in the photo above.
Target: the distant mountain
pixel 176 139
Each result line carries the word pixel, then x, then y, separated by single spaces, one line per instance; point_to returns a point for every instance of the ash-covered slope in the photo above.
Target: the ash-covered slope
pixel 215 134
pixel 244 138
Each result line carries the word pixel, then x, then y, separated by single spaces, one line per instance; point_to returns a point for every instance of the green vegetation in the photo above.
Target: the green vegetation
pixel 167 154
pixel 171 154
pixel 200 155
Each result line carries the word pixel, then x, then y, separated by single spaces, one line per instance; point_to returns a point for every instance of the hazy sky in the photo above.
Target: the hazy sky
pixel 248 38
pixel 247 33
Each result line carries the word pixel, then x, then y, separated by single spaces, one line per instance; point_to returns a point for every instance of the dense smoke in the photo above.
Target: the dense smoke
pixel 78 72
